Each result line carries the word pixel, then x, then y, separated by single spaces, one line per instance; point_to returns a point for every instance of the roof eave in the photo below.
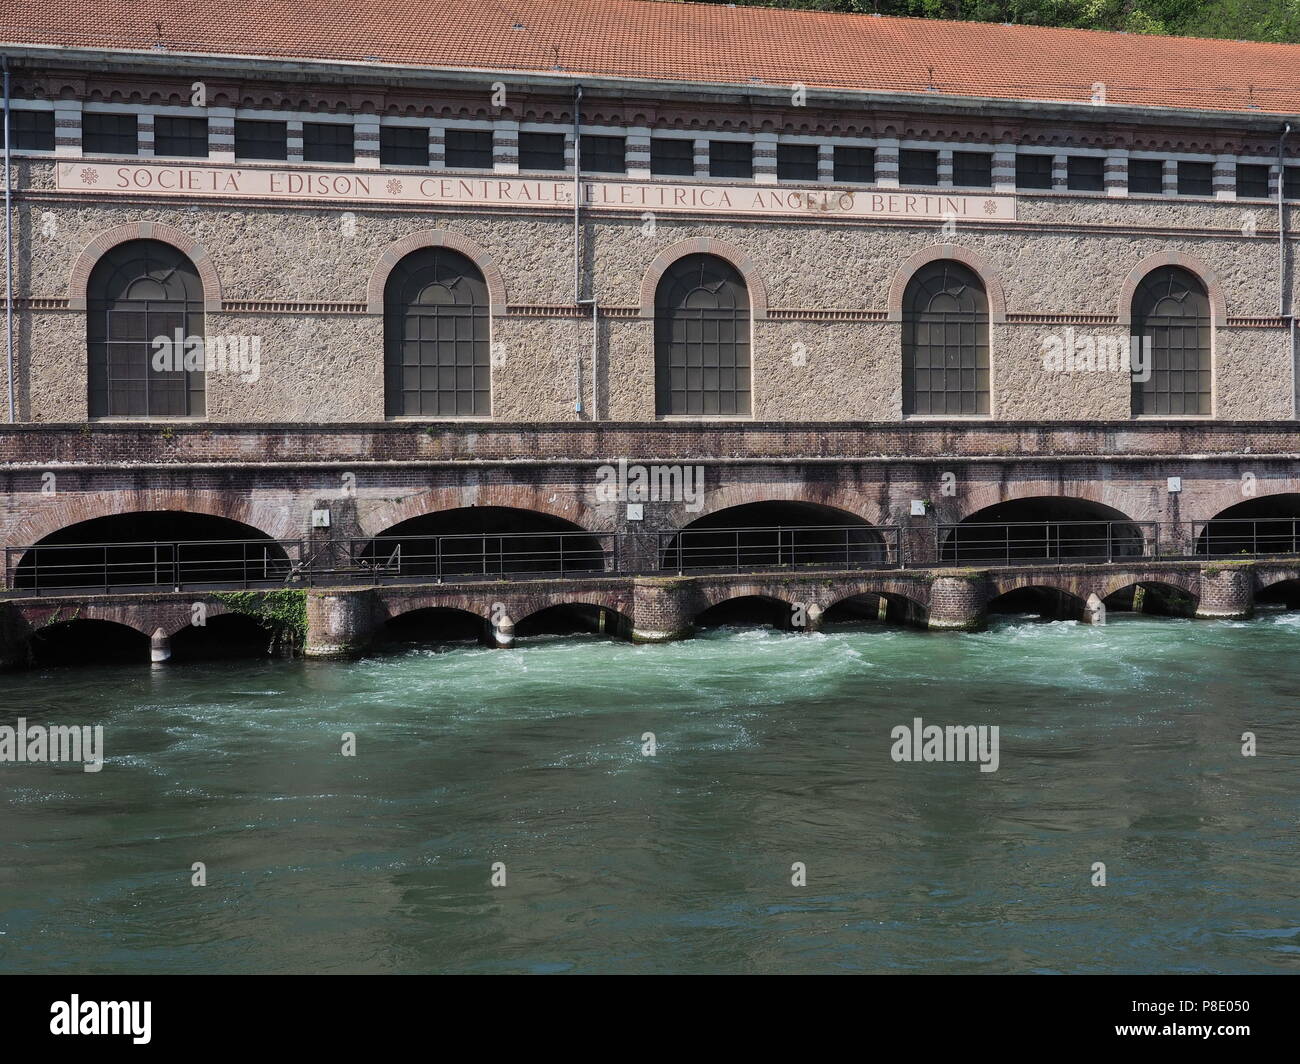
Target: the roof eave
pixel 754 93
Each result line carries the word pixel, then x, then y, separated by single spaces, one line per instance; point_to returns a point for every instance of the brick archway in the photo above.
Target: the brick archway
pixel 732 495
pixel 542 500
pixel 167 234
pixel 436 238
pixel 983 267
pixel 983 495
pixel 62 511
pixel 1197 267
pixel 1190 583
pixel 710 595
pixel 705 245
pixel 1068 585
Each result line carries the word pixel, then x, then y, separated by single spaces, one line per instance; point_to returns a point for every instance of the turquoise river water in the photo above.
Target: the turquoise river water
pixel 1119 744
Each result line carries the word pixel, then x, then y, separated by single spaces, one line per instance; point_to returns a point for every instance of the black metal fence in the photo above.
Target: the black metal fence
pixel 796 547
pixel 481 556
pixel 262 563
pixel 1238 537
pixel 1045 542
pixel 188 564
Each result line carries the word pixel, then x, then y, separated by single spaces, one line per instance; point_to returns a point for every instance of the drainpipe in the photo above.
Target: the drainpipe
pixel 577 232
pixel 9 251
pixel 1283 302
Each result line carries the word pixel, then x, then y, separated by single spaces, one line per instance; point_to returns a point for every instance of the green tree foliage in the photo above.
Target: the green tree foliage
pixel 1250 20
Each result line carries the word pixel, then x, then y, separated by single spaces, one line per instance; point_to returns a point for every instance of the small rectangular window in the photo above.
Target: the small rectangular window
pixel 604 155
pixel 972 169
pixel 541 151
pixel 1252 181
pixel 731 158
pixel 468 149
pixel 1033 171
pixel 403 146
pixel 261 140
pixel 1291 182
pixel 855 165
pixel 1195 179
pixel 1085 173
pixel 918 167
pixel 110 134
pixel 327 142
pixel 796 162
pixel 187 137
pixel 672 156
pixel 1146 175
pixel 32 130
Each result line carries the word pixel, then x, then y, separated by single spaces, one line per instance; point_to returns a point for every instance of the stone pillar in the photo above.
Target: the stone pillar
pixel 1227 591
pixel 503 632
pixel 1094 610
pixel 67 127
pixel 160 647
pixel 221 134
pixel 1004 168
pixel 957 603
pixel 662 609
pixel 340 624
pixel 638 153
pixel 365 130
pixel 765 158
pixel 144 133
pixel 1225 177
pixel 825 162
pixel 1116 172
pixel 813 619
pixel 887 149
pixel 505 146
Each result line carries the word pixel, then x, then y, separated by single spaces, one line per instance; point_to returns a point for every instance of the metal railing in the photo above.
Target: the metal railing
pixel 480 556
pixel 780 547
pixel 261 563
pixel 1243 537
pixel 178 564
pixel 1045 542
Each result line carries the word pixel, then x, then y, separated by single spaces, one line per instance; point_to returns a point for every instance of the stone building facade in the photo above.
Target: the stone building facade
pixel 823 206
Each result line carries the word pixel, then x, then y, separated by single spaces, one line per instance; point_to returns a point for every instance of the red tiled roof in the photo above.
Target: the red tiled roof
pixel 691 42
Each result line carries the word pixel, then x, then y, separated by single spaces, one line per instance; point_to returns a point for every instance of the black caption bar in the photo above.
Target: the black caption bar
pixel 142 1014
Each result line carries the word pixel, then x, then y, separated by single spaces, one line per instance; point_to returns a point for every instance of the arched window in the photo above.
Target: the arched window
pixel 1171 321
pixel 436 336
pixel 701 338
pixel 945 341
pixel 138 293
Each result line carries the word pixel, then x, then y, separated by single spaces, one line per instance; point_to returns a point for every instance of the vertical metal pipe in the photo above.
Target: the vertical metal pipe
pixel 1281 222
pixel 577 232
pixel 9 251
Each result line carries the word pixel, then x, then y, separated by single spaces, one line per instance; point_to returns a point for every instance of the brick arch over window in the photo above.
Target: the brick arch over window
pixel 1190 263
pixel 985 269
pixel 705 245
pixel 110 238
pixel 274 519
pixel 544 499
pixel 436 238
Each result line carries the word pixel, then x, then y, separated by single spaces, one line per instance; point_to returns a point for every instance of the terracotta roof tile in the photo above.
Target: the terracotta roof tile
pixel 691 42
